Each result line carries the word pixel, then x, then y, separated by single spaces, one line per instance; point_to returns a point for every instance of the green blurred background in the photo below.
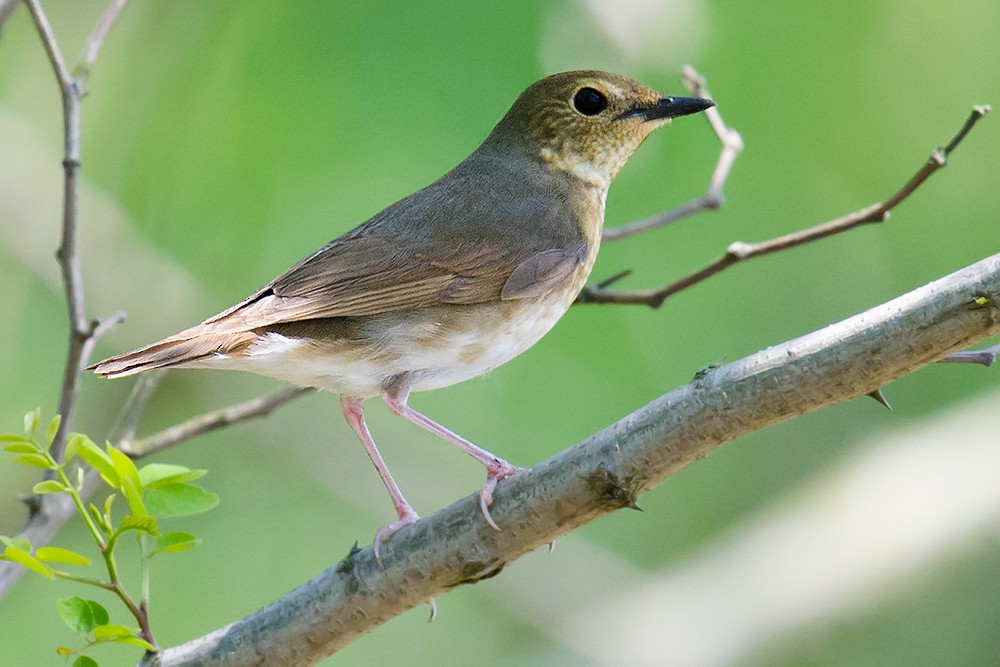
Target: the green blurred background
pixel 223 141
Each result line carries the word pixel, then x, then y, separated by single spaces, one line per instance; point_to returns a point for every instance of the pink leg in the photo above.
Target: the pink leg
pixel 354 414
pixel 496 468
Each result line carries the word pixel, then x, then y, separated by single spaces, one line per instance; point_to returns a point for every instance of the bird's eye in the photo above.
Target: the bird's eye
pixel 590 102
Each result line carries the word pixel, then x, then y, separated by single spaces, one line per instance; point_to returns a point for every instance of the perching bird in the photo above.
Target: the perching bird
pixel 448 283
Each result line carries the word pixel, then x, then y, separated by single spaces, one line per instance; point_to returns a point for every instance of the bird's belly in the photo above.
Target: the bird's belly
pixel 432 347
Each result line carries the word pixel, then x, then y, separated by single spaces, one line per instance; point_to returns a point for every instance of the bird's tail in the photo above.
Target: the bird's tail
pixel 182 349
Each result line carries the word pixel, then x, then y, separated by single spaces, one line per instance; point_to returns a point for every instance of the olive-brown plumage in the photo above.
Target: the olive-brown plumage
pixel 449 282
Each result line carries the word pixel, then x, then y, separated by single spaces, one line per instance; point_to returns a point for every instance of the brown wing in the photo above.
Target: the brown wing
pixel 477 257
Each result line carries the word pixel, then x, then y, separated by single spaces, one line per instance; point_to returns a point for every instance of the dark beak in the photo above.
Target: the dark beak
pixel 670 107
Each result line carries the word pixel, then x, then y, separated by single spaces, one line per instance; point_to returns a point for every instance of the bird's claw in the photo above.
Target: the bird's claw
pixel 385 532
pixel 500 470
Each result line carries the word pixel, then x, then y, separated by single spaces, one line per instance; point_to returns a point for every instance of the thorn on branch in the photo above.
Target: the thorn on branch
pixel 880 398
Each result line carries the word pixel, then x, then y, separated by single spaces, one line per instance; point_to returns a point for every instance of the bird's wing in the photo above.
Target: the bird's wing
pixel 373 270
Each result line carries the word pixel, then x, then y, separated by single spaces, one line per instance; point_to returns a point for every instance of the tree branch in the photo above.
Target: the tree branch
pixel 607 471
pixel 740 251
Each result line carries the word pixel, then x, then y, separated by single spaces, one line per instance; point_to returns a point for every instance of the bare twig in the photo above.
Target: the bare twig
pixel 7 8
pixel 739 251
pixel 125 426
pixel 605 472
pixel 99 34
pixel 261 406
pixel 985 357
pixel 732 145
pixel 83 333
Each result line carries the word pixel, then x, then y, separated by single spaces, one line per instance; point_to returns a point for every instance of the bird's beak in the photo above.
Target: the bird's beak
pixel 670 107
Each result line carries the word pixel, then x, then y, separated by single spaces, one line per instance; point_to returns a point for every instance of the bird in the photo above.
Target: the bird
pixel 448 283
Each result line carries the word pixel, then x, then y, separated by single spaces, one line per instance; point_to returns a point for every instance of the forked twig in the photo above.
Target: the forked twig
pixel 732 145
pixel 740 251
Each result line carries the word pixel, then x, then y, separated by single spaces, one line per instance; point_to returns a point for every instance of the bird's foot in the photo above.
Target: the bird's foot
pixel 382 535
pixel 495 471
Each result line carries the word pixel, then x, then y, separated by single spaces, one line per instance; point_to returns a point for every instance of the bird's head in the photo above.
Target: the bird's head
pixel 587 123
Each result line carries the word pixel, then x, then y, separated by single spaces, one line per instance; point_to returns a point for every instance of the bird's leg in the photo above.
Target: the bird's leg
pixel 354 414
pixel 395 396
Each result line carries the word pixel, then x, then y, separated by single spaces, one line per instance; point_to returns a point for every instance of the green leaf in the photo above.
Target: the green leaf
pixel 81 615
pixel 107 632
pixel 50 432
pixel 35 460
pixel 99 518
pixel 124 466
pixel 162 474
pixel 133 496
pixel 107 508
pixel 21 447
pixel 85 661
pixel 96 458
pixel 48 486
pixel 24 558
pixel 146 524
pixel 175 543
pixel 31 420
pixel 21 543
pixel 12 437
pixel 180 500
pixel 59 555
pixel 135 641
pixel 72 445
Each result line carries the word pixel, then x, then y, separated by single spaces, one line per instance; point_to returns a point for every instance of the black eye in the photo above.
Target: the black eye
pixel 590 102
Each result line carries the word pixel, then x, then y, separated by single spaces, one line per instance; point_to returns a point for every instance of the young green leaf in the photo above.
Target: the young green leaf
pixel 135 641
pixel 81 615
pixel 21 543
pixel 85 661
pixel 133 496
pixel 50 432
pixel 107 507
pixel 98 459
pixel 21 447
pixel 161 474
pixel 59 555
pixel 175 543
pixel 108 632
pixel 124 466
pixel 99 518
pixel 146 524
pixel 26 559
pixel 13 437
pixel 48 486
pixel 180 500
pixel 34 460
pixel 73 445
pixel 31 420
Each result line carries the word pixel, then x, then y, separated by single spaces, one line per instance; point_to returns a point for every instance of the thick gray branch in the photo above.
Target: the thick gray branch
pixel 608 471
